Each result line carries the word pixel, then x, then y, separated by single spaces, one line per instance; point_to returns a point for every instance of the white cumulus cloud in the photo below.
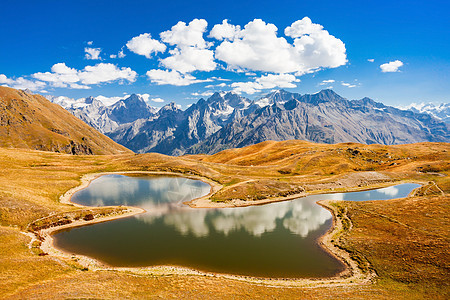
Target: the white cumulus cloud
pixel 158 100
pixel 246 87
pixel 204 94
pixel 79 86
pixel 92 53
pixel 191 51
pixel 63 76
pixel 257 47
pixel 225 31
pixel 325 82
pixel 220 85
pixel 4 79
pixel 172 77
pixel 60 76
pixel 121 54
pixel 186 35
pixel 269 81
pixel 118 55
pixel 144 45
pixel 220 78
pixel 22 83
pixel 392 66
pixel 315 48
pixel 349 85
pixel 189 59
pixel 102 72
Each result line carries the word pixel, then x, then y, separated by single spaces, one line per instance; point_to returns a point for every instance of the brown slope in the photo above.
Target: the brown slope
pixel 279 169
pixel 32 122
pixel 297 157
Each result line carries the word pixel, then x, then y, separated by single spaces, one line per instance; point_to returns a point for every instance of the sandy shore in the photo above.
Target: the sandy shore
pixel 48 247
pixel 352 275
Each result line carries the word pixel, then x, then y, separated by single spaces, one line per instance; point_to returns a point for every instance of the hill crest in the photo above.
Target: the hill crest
pixel 32 122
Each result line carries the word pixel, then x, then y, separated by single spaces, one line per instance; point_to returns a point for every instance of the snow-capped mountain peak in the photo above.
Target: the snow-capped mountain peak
pixel 172 106
pixel 440 111
pixel 278 96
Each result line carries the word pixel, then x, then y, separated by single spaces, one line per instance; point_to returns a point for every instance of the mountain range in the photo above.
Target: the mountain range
pixel 440 111
pixel 228 120
pixel 106 118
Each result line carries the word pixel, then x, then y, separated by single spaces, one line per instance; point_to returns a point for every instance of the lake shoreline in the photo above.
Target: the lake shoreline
pixel 350 275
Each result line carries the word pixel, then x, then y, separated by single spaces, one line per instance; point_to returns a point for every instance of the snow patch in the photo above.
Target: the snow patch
pixel 263 102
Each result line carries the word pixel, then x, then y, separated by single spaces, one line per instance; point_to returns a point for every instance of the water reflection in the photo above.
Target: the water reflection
pixel 299 217
pixel 391 191
pixel 145 192
pixel 162 198
pixel 398 191
pixel 275 240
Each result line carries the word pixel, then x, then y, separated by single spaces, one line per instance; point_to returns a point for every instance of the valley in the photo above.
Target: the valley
pixel 220 150
pixel 33 181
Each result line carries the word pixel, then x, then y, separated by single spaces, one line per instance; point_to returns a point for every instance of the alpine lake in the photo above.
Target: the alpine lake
pixel 277 240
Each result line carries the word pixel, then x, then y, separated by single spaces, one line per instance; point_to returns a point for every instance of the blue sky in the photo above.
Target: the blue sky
pixel 173 51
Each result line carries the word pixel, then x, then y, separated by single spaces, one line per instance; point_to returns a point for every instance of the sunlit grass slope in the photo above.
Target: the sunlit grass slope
pixel 406 241
pixel 32 122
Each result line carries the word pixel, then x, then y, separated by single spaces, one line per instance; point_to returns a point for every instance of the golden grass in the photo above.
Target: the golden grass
pixel 406 241
pixel 32 122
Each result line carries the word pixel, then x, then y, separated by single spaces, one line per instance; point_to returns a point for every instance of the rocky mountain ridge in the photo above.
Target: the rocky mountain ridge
pixel 227 120
pixel 172 130
pixel 326 117
pixel 439 111
pixel 106 118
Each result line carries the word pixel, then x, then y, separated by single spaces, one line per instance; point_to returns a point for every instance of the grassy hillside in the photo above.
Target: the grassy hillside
pixel 405 241
pixel 275 168
pixel 32 122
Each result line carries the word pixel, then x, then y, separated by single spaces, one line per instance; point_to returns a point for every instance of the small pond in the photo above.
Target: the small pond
pixel 272 240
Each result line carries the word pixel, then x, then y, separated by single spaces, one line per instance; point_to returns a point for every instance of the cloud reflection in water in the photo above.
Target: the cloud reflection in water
pixel 162 198
pixel 299 216
pixel 140 191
